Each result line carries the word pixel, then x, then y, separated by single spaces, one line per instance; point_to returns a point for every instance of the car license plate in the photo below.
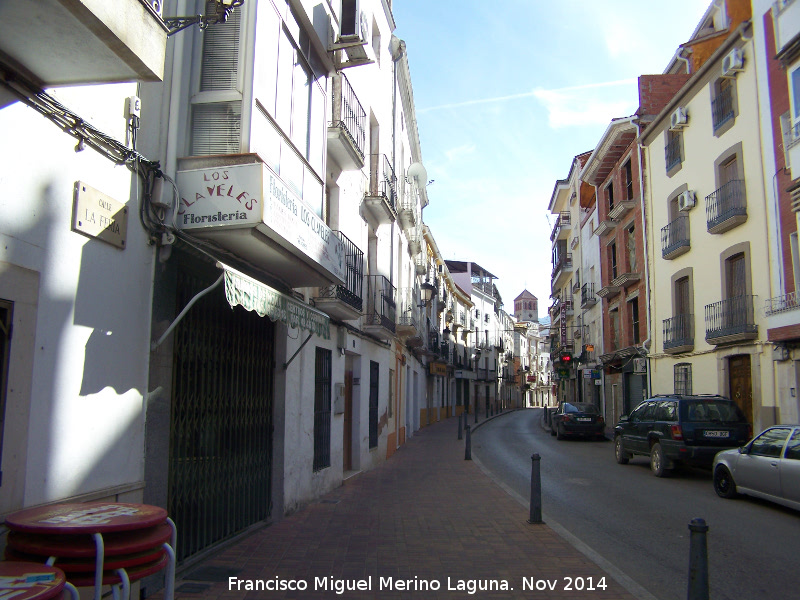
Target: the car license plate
pixel 717 434
pixel 585 419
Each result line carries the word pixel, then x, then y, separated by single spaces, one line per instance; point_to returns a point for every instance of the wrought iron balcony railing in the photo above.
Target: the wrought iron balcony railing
pixel 675 238
pixel 782 303
pixel 381 304
pixel 562 262
pixel 352 291
pixel 731 319
pixel 588 297
pixel 726 207
pixel 382 181
pixel 679 332
pixel 349 115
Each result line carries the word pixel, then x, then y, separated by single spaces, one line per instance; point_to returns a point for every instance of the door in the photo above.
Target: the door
pixel 736 313
pixel 220 455
pixel 740 384
pixel 347 442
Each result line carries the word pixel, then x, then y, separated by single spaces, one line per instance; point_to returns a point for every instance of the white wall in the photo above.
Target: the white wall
pixel 78 427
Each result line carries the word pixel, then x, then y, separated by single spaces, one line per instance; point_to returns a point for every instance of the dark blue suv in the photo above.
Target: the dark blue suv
pixel 675 429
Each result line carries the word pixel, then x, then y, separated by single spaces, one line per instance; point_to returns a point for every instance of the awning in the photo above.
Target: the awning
pixel 265 301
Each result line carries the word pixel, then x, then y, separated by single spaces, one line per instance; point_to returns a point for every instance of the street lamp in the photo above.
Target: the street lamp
pixel 426 292
pixel 222 10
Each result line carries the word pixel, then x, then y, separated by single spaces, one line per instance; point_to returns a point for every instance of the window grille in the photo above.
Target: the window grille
pixel 322 410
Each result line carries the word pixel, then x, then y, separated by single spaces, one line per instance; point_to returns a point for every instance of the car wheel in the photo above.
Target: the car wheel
pixel 724 484
pixel 657 461
pixel 560 432
pixel 619 451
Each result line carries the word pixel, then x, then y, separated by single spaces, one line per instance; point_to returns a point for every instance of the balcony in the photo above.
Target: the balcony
pixel 562 227
pixel 722 108
pixel 72 42
pixel 791 144
pixel 679 334
pixel 409 316
pixel 781 304
pixel 672 152
pixel 347 130
pixel 380 316
pixel 588 297
pixel 609 291
pixel 675 238
pixel 786 16
pixel 731 320
pixel 605 227
pixel 408 214
pixel 380 200
pixel 345 302
pixel 561 268
pixel 626 279
pixel 727 207
pixel 414 237
pixel 621 209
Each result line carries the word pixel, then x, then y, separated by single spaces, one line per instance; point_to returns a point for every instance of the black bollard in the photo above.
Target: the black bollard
pixel 536 491
pixel 460 418
pixel 698 560
pixel 468 446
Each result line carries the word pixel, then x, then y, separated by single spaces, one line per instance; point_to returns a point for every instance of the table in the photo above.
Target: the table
pixel 81 536
pixel 32 581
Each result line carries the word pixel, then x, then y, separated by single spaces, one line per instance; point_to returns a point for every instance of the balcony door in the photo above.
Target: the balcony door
pixel 735 313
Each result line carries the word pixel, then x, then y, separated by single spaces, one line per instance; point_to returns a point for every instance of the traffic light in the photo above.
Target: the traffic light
pixel 566 357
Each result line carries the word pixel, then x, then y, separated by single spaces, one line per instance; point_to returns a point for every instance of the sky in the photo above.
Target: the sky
pixel 507 93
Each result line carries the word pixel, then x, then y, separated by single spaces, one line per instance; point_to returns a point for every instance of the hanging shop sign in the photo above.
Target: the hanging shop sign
pixel 437 368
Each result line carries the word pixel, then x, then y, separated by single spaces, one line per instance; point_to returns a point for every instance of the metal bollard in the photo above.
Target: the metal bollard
pixel 468 446
pixel 460 418
pixel 536 491
pixel 698 560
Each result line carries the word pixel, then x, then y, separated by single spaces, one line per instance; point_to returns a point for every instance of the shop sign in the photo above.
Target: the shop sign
pixel 437 368
pixel 252 195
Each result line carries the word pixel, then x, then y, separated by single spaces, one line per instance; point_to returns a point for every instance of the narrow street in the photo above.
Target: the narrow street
pixel 639 523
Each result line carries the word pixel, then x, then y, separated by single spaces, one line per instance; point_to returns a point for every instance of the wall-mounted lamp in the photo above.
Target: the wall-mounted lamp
pixel 426 293
pixel 222 10
pixel 446 334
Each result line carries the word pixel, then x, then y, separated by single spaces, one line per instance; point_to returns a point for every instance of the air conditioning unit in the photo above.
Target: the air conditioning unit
pixel 640 365
pixel 733 63
pixel 686 201
pixel 679 119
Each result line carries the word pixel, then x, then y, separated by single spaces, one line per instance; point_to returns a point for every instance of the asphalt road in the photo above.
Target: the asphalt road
pixel 638 522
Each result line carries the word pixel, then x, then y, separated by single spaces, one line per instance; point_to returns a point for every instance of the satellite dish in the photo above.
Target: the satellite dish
pixel 418 173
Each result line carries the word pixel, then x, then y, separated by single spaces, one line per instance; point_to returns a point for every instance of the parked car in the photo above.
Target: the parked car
pixel 768 467
pixel 579 419
pixel 677 429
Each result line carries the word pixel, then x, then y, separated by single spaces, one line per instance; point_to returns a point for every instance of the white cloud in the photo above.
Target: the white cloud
pixel 583 105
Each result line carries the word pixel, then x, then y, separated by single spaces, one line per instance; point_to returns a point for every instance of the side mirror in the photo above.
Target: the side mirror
pixel 744 449
pixel 624 419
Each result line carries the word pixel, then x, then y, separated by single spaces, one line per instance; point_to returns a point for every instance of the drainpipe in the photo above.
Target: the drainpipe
pixel 398 50
pixel 678 56
pixel 646 343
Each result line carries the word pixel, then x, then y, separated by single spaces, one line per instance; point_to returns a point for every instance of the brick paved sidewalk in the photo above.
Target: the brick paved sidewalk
pixel 426 515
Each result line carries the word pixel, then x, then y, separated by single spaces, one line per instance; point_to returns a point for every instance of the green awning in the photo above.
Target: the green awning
pixel 265 301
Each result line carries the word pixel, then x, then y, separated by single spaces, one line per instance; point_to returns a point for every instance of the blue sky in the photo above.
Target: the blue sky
pixel 506 94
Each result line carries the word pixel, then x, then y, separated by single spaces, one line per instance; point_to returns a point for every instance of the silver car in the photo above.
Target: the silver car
pixel 767 467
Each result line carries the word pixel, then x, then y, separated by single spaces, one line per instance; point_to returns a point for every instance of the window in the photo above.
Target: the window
pixel 613 315
pixel 735 276
pixel 610 196
pixel 673 154
pixel 770 443
pixel 628 174
pixel 373 403
pixel 793 447
pixel 723 105
pixel 630 247
pixel 322 410
pixel 612 258
pixel 633 306
pixel 683 378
